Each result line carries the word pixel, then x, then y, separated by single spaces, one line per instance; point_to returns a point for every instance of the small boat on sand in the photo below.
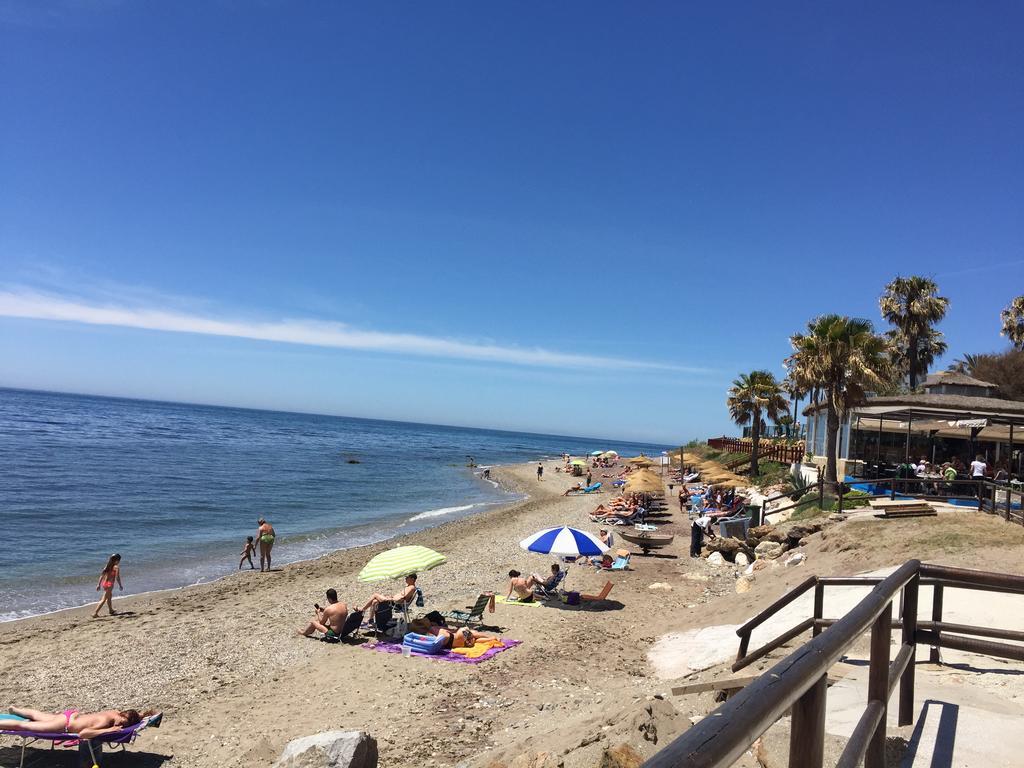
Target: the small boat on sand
pixel 646 540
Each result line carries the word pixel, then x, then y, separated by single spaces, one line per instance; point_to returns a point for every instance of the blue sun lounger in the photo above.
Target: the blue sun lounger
pixel 94 746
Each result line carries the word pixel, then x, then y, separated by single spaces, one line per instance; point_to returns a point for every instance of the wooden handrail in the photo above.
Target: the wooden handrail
pixel 797 682
pixel 721 738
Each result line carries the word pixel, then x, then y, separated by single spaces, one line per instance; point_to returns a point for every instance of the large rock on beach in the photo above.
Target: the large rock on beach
pixel 331 749
pixel 769 550
pixel 715 558
pixel 728 547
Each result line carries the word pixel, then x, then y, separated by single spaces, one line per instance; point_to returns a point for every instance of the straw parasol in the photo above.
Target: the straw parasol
pixel 645 485
pixel 640 461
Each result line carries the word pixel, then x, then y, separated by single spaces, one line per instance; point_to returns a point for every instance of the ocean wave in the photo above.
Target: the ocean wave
pixel 440 512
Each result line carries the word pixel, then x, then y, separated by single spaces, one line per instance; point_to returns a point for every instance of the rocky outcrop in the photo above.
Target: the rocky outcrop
pixel 331 749
pixel 618 739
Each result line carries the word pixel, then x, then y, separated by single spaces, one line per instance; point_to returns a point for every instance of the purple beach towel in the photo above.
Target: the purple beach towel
pixel 447 655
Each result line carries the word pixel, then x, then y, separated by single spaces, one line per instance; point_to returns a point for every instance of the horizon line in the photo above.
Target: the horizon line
pixel 328 415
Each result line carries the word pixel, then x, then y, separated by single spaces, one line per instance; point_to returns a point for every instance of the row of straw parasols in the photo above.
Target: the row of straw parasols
pixel 645 481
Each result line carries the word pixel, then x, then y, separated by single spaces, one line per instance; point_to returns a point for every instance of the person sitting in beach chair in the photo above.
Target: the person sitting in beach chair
pixel 85 725
pixel 328 620
pixel 400 600
pixel 575 489
pixel 547 587
pixel 522 586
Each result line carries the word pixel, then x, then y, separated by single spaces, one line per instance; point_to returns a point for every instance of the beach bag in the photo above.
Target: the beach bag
pixel 572 598
pixel 421 625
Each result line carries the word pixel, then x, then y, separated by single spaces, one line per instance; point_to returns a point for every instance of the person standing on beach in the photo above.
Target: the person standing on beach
pixel 698 528
pixel 265 535
pixel 110 575
pixel 540 470
pixel 590 478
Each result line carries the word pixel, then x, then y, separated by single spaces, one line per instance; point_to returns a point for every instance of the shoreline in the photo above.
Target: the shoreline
pixel 393 531
pixel 127 599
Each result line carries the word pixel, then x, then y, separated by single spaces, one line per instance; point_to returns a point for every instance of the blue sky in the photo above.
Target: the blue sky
pixel 575 217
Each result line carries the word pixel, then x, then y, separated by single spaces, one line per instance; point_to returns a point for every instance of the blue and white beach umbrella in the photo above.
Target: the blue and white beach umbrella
pixel 565 541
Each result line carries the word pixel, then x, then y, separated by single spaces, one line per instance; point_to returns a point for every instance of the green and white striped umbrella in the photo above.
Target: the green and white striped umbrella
pixel 400 561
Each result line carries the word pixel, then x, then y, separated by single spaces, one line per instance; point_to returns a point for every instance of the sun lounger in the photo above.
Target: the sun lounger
pixel 589 489
pixel 473 614
pixel 122 738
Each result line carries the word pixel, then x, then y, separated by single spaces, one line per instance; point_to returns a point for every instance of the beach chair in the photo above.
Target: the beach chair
pixel 621 562
pixel 473 614
pixel 352 622
pixel 547 592
pixel 92 747
pixel 602 595
pixel 592 488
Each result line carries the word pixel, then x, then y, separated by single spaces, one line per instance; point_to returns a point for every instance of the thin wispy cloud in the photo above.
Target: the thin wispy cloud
pixel 20 302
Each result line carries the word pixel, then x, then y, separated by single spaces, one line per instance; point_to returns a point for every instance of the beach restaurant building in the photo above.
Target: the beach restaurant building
pixel 955 417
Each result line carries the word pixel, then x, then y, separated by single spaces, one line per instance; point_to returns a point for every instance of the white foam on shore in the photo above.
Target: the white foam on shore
pixel 439 512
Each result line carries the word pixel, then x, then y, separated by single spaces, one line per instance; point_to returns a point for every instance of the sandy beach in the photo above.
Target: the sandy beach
pixel 236 684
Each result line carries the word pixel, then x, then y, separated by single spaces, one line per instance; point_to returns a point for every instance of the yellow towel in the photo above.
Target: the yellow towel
pixel 478 650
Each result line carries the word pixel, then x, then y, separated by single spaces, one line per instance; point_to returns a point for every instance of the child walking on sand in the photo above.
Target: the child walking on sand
pixel 111 573
pixel 250 547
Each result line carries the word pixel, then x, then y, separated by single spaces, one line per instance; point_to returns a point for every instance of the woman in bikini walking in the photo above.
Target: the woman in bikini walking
pixel 265 536
pixel 110 575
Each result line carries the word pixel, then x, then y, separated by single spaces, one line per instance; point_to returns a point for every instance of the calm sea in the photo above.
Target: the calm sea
pixel 176 488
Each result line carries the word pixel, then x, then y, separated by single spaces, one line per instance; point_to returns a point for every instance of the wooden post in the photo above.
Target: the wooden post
pixel 819 606
pixel 878 450
pixel 821 491
pixel 933 654
pixel 878 684
pixel 807 728
pixel 910 592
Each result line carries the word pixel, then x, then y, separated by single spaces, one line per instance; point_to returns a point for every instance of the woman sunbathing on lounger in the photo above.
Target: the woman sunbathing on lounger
pixel 523 587
pixel 88 725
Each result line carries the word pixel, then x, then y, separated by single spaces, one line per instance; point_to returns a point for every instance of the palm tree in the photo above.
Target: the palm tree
pixel 929 346
pixel 844 358
pixel 752 396
pixel 1013 322
pixel 965 364
pixel 913 305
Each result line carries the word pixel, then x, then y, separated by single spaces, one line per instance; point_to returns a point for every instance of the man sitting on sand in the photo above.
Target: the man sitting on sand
pixel 328 620
pixel 403 598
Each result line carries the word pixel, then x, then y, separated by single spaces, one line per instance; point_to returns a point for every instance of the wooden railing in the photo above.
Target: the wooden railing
pixel 769 451
pixel 797 684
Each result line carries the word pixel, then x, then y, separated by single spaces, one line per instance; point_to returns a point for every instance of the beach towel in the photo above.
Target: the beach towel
pixel 479 649
pixel 396 648
pixel 505 601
